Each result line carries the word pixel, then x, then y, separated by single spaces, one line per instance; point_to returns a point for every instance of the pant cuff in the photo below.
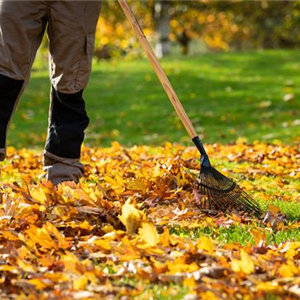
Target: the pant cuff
pixel 59 169
pixel 2 154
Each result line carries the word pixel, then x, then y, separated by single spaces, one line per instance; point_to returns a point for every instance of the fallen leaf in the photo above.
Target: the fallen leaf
pixel 148 234
pixel 245 264
pixel 131 217
pixel 205 244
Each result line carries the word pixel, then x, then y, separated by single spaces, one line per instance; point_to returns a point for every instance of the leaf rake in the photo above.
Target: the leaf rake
pixel 219 190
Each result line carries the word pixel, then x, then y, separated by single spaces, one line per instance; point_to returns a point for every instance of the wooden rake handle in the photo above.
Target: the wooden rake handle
pixel 158 70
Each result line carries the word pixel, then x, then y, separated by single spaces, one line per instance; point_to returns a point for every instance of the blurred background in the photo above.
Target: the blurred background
pixel 234 64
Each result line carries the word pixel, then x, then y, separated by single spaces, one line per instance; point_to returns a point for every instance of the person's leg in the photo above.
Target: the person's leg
pixel 22 25
pixel 71 31
pixel 9 92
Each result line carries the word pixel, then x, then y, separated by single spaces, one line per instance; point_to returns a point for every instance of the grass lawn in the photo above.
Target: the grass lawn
pixel 227 95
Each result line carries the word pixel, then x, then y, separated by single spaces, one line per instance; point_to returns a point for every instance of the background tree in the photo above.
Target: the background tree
pixel 162 17
pixel 219 25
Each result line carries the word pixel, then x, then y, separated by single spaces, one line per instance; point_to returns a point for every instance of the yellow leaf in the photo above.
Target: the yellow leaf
pixel 80 283
pixel 148 234
pixel 69 256
pixel 108 228
pixel 25 266
pixel 164 237
pixel 258 234
pixel 273 209
pixel 292 249
pixel 104 244
pixel 209 296
pixel 41 237
pixel 268 286
pixel 71 263
pixel 131 217
pixel 116 145
pixel 91 276
pixel 189 282
pixel 39 195
pixel 245 265
pixel 137 185
pixel 38 283
pixel 9 235
pixel 157 170
pixel 116 183
pixel 288 269
pixel 62 243
pixel 46 261
pixel 241 140
pixel 176 254
pixel 83 196
pixel 84 225
pixel 11 269
pixel 177 266
pixel 23 252
pixel 264 104
pixel 205 244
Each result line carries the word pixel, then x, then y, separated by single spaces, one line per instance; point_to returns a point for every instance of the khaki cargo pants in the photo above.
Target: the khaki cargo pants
pixel 70 27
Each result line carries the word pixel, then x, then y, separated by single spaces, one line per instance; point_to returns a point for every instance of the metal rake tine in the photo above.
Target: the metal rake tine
pixel 245 202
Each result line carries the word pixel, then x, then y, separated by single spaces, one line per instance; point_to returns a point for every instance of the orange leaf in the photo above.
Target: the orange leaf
pixel 62 243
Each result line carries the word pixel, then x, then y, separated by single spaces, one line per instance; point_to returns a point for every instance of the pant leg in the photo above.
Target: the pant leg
pixel 9 91
pixel 22 24
pixel 71 31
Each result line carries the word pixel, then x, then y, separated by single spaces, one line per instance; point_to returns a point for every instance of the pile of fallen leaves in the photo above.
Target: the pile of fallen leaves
pixel 113 235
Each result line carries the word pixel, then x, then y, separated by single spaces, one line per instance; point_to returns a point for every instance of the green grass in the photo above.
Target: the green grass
pixel 238 233
pixel 227 95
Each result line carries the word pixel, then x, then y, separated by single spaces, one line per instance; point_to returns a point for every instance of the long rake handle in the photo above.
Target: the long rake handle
pixel 158 70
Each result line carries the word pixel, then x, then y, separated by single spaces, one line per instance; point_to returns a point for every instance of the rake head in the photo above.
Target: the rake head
pixel 221 191
pixel 224 193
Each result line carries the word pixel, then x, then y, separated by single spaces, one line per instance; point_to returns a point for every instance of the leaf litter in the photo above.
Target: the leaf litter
pixel 111 236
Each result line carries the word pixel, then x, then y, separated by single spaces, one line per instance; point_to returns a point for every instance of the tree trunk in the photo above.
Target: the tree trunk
pixel 162 19
pixel 184 41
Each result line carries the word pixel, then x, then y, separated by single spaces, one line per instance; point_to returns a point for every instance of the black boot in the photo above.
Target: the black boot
pixel 68 120
pixel 9 92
